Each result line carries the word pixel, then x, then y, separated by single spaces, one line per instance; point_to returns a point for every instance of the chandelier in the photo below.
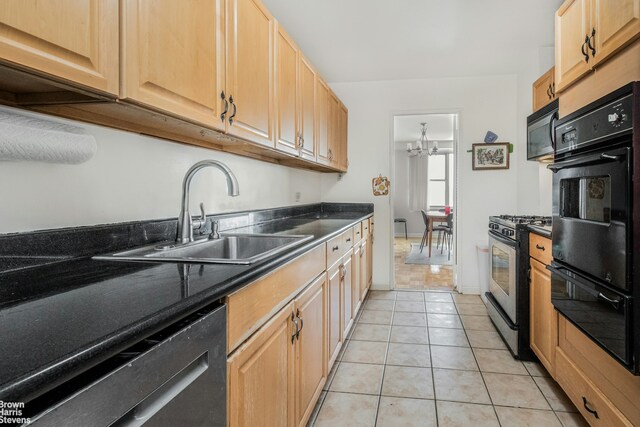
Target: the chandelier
pixel 422 145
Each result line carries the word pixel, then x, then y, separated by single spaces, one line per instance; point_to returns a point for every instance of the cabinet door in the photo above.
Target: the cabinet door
pixel 74 40
pixel 369 276
pixel 307 89
pixel 572 26
pixel 173 58
pixel 347 304
pixel 286 90
pixel 322 122
pixel 543 317
pixel 260 389
pixel 543 90
pixel 310 359
pixel 364 275
pixel 333 133
pixel 341 138
pixel 356 292
pixel 617 22
pixel 249 75
pixel 334 308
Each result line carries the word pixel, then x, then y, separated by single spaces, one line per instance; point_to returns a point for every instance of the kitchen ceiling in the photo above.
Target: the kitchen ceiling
pixel 364 40
pixel 407 128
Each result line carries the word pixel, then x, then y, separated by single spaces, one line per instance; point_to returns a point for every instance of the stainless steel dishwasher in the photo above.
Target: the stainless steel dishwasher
pixel 176 377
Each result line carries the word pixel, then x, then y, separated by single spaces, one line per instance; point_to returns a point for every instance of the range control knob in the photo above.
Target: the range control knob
pixel 615 118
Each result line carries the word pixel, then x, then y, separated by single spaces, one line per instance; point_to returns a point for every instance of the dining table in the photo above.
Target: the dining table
pixel 434 216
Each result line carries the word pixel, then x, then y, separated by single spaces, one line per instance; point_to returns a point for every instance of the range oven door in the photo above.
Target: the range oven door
pixel 601 313
pixel 502 281
pixel 592 215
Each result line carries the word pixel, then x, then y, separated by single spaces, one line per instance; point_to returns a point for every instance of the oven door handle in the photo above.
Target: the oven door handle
pixel 552 130
pixel 501 239
pixel 614 302
pixel 617 156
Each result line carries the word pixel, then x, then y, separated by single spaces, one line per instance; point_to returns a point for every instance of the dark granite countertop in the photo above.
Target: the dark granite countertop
pixel 61 318
pixel 542 230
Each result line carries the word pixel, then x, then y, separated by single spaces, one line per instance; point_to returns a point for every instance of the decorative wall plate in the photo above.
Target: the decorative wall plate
pixel 380 185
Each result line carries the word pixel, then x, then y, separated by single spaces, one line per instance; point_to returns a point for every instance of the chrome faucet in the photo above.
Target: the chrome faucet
pixel 185 223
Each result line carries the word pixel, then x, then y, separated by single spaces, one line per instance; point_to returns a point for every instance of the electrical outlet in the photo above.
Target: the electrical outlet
pixel 297 196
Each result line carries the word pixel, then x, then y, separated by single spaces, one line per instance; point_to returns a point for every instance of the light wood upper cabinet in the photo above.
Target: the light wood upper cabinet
pixel 286 90
pixel 249 72
pixel 173 58
pixel 588 32
pixel 260 378
pixel 341 137
pixel 310 351
pixel 544 89
pixel 307 89
pixel 322 122
pixel 333 133
pixel 543 316
pixel 572 56
pixel 617 22
pixel 72 40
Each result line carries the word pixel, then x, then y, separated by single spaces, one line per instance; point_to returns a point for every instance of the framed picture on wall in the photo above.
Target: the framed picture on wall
pixel 490 156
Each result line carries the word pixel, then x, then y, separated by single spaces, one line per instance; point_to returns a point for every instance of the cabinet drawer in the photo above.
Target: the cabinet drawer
pixel 250 307
pixel 540 248
pixel 348 239
pixel 611 378
pixel 357 233
pixel 591 403
pixel 338 246
pixel 365 228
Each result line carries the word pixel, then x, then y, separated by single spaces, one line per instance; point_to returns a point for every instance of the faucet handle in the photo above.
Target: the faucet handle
pixel 200 222
pixel 215 230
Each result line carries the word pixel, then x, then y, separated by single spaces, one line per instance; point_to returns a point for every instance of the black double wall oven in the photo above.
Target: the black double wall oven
pixel 596 206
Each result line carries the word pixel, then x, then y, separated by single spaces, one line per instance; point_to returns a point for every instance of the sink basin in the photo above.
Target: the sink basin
pixel 228 249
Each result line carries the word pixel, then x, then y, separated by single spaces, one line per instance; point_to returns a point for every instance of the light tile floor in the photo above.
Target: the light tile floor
pixel 414 359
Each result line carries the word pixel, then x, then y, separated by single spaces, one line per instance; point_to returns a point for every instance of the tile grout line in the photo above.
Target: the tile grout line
pixel 384 366
pixel 493 406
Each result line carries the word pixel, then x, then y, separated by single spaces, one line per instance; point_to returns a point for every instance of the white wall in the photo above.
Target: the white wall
pixel 135 177
pixel 483 103
pixel 415 224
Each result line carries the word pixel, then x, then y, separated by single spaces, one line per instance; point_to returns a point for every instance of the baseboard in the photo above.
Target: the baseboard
pixel 469 289
pixel 409 235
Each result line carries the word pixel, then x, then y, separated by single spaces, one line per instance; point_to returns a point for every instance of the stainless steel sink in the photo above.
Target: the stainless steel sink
pixel 228 249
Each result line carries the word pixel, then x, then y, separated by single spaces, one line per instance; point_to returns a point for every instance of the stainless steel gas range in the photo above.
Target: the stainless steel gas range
pixel 508 294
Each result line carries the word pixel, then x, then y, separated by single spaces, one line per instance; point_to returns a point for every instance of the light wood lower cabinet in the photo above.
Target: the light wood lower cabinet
pixel 356 267
pixel 346 276
pixel 278 363
pixel 310 348
pixel 260 375
pixel 364 268
pixel 334 313
pixel 543 316
pixel 76 41
pixel 594 381
pixel 276 376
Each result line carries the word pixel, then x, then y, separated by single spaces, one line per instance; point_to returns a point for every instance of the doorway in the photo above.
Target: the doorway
pixel 423 205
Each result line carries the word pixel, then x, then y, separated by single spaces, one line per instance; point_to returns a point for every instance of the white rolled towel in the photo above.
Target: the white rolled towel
pixel 27 137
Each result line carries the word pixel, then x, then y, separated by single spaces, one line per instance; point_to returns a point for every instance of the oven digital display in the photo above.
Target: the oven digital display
pixel 569 138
